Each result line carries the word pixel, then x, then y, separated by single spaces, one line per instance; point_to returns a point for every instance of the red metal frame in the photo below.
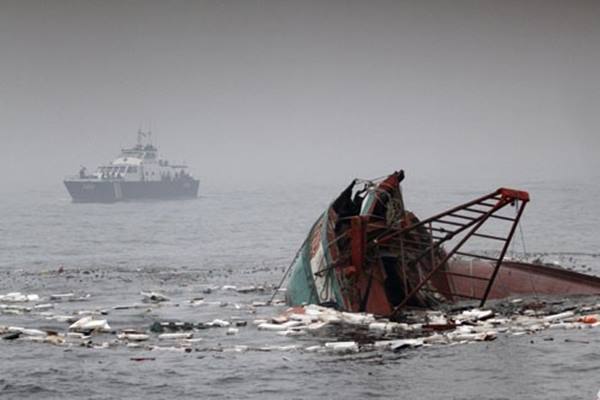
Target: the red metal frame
pixel 465 220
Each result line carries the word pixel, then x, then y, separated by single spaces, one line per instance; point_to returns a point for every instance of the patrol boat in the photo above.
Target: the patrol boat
pixel 137 173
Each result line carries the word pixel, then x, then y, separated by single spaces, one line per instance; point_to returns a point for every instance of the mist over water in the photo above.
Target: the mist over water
pixel 257 91
pixel 276 107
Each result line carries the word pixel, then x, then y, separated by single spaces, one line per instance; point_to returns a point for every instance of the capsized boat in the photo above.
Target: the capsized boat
pixel 137 173
pixel 367 253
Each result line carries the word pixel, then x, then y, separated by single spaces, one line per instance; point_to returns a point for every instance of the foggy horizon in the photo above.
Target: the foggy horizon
pixel 259 91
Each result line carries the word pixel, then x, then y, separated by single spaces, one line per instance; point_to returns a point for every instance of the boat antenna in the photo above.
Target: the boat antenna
pixel 140 134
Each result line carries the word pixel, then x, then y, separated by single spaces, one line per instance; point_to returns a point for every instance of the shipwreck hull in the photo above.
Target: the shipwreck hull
pixel 367 253
pixel 312 280
pixel 468 279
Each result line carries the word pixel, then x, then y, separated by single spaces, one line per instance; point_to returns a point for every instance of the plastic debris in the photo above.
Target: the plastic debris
pixel 232 331
pixel 342 347
pixel 174 349
pixel 175 336
pixel 86 324
pixel 154 297
pixel 62 296
pixel 250 289
pixel 45 306
pixel 133 336
pixel 130 306
pixel 219 323
pixel 589 319
pixel 18 297
pixel 560 316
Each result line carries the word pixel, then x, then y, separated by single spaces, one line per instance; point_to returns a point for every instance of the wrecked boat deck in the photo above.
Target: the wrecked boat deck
pixel 368 253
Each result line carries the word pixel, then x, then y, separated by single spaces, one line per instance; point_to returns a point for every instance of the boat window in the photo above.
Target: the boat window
pixel 122 168
pixel 132 170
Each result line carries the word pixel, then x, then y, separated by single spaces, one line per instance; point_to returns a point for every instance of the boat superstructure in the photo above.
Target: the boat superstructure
pixel 137 173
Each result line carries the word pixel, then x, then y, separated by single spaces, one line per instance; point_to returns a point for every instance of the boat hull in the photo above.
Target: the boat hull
pixel 469 278
pixel 98 191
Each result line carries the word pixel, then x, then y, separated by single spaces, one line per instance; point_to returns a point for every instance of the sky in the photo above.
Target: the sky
pixel 252 92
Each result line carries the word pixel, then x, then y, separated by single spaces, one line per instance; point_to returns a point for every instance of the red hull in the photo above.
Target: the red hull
pixel 469 279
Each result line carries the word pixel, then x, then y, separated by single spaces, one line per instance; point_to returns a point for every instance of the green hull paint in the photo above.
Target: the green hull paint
pixel 302 288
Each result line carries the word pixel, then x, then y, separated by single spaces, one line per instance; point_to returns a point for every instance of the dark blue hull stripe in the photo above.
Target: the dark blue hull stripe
pixel 111 191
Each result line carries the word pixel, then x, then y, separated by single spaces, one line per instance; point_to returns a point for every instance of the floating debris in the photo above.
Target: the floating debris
pixel 88 324
pixel 18 297
pixel 133 336
pixel 218 323
pixel 62 296
pixel 250 289
pixel 154 297
pixel 175 336
pixel 130 306
pixel 140 359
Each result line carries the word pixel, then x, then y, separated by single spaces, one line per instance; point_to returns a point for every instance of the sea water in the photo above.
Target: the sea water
pixel 190 249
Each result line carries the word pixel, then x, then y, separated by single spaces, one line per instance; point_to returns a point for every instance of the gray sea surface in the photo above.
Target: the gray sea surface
pixel 247 237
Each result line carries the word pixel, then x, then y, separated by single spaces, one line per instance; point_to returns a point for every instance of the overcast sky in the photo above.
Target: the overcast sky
pixel 258 90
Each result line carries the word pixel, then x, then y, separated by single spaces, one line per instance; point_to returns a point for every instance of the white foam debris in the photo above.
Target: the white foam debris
pixel 229 287
pixel 45 306
pixel 175 336
pixel 342 347
pixel 278 348
pixel 475 315
pixel 133 336
pixel 34 332
pixel 292 332
pixel 313 348
pixel 436 318
pixel 236 349
pixel 62 296
pixel 426 329
pixel 90 324
pixel 76 335
pixel 219 323
pixel 560 316
pixel 62 318
pixel 193 340
pixel 266 326
pixel 14 309
pixel 173 349
pixel 232 331
pixel 18 297
pixel 247 289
